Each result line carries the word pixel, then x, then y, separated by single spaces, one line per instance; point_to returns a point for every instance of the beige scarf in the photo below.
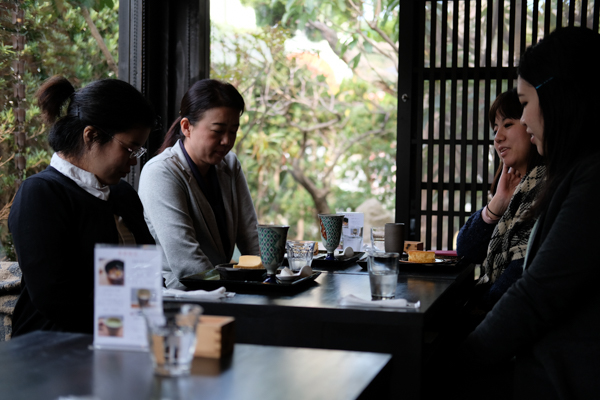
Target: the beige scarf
pixel 510 237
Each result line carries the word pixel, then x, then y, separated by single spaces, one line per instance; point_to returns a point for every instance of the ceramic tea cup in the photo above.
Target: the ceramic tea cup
pixel 272 240
pixel 331 232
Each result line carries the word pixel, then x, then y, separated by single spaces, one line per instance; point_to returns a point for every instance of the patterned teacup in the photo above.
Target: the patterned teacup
pixel 272 240
pixel 331 232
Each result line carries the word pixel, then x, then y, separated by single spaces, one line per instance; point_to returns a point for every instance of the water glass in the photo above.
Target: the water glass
pixel 383 274
pixel 172 338
pixel 378 238
pixel 300 254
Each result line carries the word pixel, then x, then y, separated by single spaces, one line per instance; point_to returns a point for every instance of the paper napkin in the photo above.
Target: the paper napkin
pixel 353 301
pixel 219 293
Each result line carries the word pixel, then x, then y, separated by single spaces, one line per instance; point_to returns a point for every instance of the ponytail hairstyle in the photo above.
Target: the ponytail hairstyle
pixel 110 105
pixel 201 97
pixel 568 86
pixel 507 105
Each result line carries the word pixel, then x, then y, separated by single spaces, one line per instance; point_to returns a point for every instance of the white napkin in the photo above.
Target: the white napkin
pixel 353 301
pixel 198 294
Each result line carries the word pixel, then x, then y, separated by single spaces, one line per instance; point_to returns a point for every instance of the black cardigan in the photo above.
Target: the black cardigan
pixel 55 225
pixel 550 318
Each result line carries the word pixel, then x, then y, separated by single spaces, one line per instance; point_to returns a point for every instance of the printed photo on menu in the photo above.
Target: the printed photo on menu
pixel 110 326
pixel 143 298
pixel 112 272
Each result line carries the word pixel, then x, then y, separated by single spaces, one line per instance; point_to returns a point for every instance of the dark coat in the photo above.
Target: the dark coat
pixel 550 318
pixel 472 244
pixel 55 225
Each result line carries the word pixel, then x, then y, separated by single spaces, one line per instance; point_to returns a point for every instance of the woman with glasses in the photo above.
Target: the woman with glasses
pixel 59 214
pixel 548 320
pixel 196 199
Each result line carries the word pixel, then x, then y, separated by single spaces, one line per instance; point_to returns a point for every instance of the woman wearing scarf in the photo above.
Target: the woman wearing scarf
pixel 497 235
pixel 547 322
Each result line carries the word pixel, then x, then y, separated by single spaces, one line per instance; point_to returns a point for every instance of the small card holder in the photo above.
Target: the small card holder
pixel 215 336
pixel 411 245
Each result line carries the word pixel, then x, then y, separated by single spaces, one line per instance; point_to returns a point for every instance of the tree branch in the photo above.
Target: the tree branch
pixel 373 25
pixel 342 150
pixel 9 158
pixel 318 126
pixel 96 35
pixel 5 211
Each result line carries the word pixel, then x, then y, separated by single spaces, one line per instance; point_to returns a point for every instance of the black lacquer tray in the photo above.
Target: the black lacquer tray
pixel 195 283
pixel 340 262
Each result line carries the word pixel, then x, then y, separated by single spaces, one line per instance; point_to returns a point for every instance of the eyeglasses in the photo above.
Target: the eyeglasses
pixel 132 153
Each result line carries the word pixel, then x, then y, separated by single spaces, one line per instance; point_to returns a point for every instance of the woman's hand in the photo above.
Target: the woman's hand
pixel 509 179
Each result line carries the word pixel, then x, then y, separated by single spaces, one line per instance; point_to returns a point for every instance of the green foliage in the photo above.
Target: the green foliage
pixel 58 42
pixel 300 125
pixel 266 14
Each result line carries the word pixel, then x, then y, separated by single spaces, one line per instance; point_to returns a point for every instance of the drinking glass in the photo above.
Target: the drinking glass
pixel 331 232
pixel 378 238
pixel 271 241
pixel 299 254
pixel 172 338
pixel 383 274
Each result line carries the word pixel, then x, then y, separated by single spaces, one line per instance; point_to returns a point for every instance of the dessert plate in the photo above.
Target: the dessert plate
pixel 437 262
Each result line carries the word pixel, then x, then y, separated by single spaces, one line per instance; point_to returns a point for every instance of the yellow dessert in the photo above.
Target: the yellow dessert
pixel 422 257
pixel 249 262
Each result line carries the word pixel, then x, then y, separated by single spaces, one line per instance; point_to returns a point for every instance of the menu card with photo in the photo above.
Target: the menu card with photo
pixel 352 230
pixel 127 279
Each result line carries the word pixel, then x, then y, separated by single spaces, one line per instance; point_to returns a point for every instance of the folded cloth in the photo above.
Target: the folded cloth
pixel 353 301
pixel 219 293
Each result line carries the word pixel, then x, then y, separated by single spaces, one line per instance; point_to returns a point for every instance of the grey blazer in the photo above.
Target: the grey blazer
pixel 182 221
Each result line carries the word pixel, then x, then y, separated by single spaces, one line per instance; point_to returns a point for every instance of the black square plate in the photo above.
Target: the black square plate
pixel 340 262
pixel 194 282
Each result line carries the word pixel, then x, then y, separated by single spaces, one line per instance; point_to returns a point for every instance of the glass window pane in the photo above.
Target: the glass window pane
pixel 319 131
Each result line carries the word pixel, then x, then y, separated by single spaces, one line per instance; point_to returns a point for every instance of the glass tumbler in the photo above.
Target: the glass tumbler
pixel 172 338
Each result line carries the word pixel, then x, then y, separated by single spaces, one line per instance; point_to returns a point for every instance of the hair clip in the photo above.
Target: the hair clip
pixel 543 83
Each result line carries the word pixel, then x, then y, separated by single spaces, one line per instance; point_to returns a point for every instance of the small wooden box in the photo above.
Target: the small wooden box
pixel 410 245
pixel 215 336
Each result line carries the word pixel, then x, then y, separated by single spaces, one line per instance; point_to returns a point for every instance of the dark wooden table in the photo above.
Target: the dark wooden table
pixel 312 318
pixel 51 365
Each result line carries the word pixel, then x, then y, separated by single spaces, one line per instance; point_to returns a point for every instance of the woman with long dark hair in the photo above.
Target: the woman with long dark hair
pixel 548 320
pixel 196 198
pixel 60 213
pixel 497 235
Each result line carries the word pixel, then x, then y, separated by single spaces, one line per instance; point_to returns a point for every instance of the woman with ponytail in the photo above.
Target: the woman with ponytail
pixel 60 213
pixel 196 199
